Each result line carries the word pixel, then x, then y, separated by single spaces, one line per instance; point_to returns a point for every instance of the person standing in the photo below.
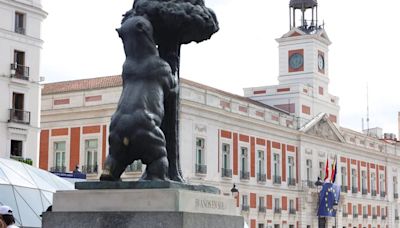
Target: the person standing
pixel 7 215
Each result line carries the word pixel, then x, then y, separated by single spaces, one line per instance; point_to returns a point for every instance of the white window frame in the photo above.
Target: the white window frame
pixel 202 149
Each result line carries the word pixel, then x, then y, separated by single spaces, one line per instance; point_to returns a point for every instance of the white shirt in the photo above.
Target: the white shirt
pixel 12 226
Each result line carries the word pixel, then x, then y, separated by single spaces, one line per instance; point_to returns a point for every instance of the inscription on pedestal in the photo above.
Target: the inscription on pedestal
pixel 209 204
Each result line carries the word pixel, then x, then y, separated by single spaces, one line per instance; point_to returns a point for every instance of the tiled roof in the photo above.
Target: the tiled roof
pixel 116 81
pixel 82 84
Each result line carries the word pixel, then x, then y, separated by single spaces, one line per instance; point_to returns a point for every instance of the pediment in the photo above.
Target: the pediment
pixel 322 33
pixel 294 32
pixel 322 127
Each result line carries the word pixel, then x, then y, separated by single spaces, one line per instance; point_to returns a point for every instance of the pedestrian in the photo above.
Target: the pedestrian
pixel 8 217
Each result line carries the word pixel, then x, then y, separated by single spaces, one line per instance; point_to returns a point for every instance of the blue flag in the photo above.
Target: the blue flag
pixel 329 196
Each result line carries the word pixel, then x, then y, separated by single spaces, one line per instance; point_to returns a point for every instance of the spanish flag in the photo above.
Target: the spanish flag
pixel 334 168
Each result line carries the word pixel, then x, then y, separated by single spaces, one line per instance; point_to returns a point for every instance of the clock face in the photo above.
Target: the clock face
pixel 321 62
pixel 296 61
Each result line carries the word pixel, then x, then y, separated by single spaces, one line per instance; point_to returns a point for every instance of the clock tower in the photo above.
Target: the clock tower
pixel 303 88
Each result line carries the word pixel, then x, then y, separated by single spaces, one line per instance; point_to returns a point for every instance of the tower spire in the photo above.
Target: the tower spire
pixel 304 6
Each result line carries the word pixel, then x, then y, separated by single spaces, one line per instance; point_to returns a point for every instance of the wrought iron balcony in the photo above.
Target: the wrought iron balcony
pixel 19 71
pixel 58 169
pixel 374 216
pixel 89 169
pixel 396 218
pixel 261 177
pixel 383 217
pixel 20 30
pixel 135 167
pixel 355 215
pixel 383 194
pixel 262 209
pixel 365 216
pixel 244 175
pixel 396 195
pixel 354 189
pixel 245 208
pixel 277 180
pixel 20 116
pixel 226 172
pixel 292 211
pixel 373 193
pixel 343 188
pixel 201 169
pixel 310 184
pixel 364 191
pixel 291 181
pixel 277 210
pixel 344 215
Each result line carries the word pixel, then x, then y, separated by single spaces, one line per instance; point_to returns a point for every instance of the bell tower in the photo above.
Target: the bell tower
pixel 303 88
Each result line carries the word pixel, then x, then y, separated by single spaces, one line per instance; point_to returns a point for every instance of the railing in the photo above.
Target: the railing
pixel 365 216
pixel 135 167
pixel 354 189
pixel 310 184
pixel 291 181
pixel 373 193
pixel 277 180
pixel 20 116
pixel 262 209
pixel 58 169
pixel 383 217
pixel 277 210
pixel 245 208
pixel 201 169
pixel 374 216
pixel 21 159
pixel 344 215
pixel 396 195
pixel 226 172
pixel 20 30
pixel 261 177
pixel 355 215
pixel 364 191
pixel 396 218
pixel 19 71
pixel 244 175
pixel 292 211
pixel 383 194
pixel 343 188
pixel 89 169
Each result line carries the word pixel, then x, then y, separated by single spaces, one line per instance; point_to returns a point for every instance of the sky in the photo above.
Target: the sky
pixel 81 42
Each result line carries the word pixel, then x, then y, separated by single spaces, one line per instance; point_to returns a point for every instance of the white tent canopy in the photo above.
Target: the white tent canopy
pixel 28 191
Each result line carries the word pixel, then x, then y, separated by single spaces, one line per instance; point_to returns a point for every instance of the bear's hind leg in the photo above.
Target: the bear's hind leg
pixel 157 169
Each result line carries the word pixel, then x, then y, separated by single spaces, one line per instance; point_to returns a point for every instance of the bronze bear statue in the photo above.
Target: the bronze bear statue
pixel 135 126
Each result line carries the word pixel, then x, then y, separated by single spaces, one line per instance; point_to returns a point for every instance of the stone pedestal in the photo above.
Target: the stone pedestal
pixel 147 207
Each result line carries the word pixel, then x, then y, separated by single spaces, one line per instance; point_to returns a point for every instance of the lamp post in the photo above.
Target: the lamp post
pixel 234 191
pixel 319 183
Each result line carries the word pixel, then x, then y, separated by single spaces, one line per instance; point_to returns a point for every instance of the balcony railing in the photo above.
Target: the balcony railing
pixel 244 175
pixel 396 195
pixel 20 116
pixel 396 218
pixel 19 71
pixel 383 194
pixel 373 193
pixel 245 208
pixel 261 177
pixel 364 191
pixel 365 216
pixel 201 169
pixel 355 215
pixel 20 30
pixel 277 210
pixel 89 169
pixel 343 188
pixel 292 211
pixel 291 181
pixel 374 216
pixel 383 217
pixel 344 215
pixel 135 167
pixel 309 183
pixel 354 189
pixel 21 159
pixel 58 169
pixel 277 180
pixel 262 209
pixel 226 172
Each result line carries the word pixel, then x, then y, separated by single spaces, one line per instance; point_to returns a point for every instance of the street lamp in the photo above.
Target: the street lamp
pixel 321 220
pixel 235 191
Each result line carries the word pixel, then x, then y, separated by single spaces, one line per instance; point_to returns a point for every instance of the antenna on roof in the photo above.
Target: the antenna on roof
pixel 367 111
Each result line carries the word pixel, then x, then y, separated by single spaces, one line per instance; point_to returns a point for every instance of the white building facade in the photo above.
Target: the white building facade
pixel 20 46
pixel 273 143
